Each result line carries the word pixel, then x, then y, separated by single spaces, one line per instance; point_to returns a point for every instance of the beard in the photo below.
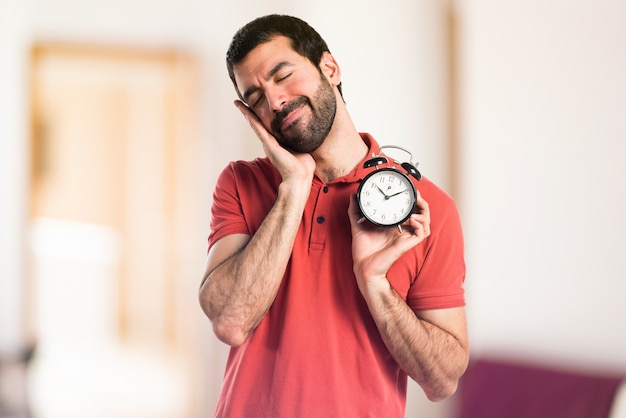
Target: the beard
pixel 304 138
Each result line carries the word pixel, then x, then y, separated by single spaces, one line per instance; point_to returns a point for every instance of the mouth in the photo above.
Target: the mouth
pixel 285 119
pixel 291 118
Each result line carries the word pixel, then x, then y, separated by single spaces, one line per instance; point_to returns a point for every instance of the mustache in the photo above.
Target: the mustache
pixel 277 121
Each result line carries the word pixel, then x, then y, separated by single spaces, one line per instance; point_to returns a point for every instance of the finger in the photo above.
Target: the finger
pixel 423 215
pixel 270 144
pixel 245 110
pixel 422 205
pixel 417 226
pixel 252 118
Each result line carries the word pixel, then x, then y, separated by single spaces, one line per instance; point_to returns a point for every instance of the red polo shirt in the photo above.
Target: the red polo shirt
pixel 317 352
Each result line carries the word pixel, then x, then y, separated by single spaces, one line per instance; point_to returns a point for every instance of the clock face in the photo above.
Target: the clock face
pixel 386 197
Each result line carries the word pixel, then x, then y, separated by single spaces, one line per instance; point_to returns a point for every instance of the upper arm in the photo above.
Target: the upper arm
pixel 450 320
pixel 222 250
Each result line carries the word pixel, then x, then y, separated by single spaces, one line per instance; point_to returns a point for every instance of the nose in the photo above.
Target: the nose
pixel 276 99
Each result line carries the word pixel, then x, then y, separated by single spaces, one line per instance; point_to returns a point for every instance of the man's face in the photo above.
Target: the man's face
pixel 291 97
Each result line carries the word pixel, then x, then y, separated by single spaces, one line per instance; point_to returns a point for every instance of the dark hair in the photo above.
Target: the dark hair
pixel 304 40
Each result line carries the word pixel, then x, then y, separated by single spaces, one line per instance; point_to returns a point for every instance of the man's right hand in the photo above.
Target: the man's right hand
pixel 291 166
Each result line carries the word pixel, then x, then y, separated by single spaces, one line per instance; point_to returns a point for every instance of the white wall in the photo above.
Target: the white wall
pixel 542 136
pixel 544 181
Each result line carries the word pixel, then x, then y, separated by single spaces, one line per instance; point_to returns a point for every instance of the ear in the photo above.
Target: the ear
pixel 330 68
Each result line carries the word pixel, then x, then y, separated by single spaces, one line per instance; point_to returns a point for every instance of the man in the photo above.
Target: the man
pixel 326 315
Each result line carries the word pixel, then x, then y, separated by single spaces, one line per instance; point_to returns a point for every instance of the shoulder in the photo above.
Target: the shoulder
pixel 258 166
pixel 243 194
pixel 248 186
pixel 244 173
pixel 437 198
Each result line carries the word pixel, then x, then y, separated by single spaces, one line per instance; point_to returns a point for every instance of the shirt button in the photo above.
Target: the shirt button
pixel 320 219
pixel 325 189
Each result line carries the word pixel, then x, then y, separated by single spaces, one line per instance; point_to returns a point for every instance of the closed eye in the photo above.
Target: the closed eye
pixel 286 76
pixel 258 100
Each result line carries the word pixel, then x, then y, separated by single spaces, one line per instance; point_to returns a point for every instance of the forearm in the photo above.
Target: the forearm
pixel 238 292
pixel 430 355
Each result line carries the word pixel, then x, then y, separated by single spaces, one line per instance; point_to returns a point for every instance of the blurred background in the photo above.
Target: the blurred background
pixel 116 117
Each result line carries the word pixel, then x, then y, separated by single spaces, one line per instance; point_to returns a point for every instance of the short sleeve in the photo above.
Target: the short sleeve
pixel 226 212
pixel 439 282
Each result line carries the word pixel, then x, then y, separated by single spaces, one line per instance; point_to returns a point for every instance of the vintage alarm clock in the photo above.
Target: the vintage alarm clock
pixel 387 196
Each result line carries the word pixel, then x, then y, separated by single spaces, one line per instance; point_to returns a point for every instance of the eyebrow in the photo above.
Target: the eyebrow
pixel 271 73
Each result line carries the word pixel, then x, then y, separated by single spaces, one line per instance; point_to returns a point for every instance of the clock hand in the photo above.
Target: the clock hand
pixel 384 194
pixel 392 195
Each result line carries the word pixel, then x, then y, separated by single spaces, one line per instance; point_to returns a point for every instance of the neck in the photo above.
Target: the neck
pixel 342 150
